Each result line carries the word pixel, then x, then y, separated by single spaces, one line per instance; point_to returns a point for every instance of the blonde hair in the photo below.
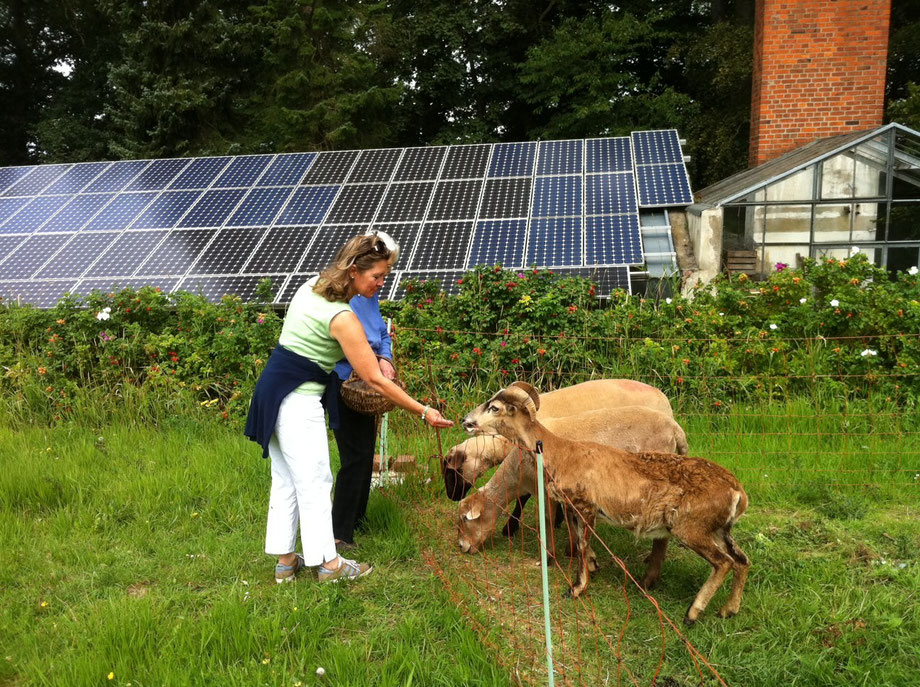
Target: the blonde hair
pixel 362 252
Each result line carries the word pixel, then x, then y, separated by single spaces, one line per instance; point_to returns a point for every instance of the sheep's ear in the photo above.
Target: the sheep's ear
pixel 473 513
pixel 534 396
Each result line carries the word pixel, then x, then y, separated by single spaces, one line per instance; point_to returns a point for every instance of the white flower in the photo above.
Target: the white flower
pixel 721 314
pixel 103 314
pixel 835 303
pixel 773 326
pixel 803 301
pixel 913 270
pixel 668 301
pixel 868 351
pixel 854 250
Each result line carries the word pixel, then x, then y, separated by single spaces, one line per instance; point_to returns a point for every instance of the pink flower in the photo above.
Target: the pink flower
pixel 503 344
pixel 780 266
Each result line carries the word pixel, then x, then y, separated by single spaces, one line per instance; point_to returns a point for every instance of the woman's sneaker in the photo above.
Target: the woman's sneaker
pixel 286 573
pixel 347 570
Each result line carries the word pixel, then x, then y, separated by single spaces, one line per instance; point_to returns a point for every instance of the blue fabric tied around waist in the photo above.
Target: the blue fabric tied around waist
pixel 284 372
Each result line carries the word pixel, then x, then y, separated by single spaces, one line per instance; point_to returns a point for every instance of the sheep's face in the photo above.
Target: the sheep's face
pixel 474 523
pixel 508 413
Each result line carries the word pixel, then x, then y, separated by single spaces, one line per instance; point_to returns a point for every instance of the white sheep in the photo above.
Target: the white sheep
pixel 632 428
pixel 654 495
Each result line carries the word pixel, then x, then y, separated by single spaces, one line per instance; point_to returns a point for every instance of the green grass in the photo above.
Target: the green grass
pixel 135 549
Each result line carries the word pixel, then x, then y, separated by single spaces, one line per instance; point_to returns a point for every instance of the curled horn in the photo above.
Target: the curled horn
pixel 534 396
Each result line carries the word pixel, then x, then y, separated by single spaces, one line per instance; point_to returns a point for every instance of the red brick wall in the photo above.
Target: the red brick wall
pixel 819 70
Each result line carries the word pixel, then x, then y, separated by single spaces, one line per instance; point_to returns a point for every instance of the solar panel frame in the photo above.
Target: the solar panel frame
pixel 608 194
pixel 29 256
pixel 656 147
pixel 608 155
pixel 493 204
pixel 356 204
pixel 420 164
pixel 260 206
pixel 467 161
pixel 215 287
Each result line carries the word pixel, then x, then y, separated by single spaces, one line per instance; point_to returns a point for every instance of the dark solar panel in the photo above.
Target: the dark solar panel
pixel 116 177
pixel 610 193
pixel 442 245
pixel 405 202
pixel 34 214
pixel 356 203
pixel 512 159
pixel 41 294
pixel 228 252
pixel 30 255
pixel 405 234
pixel 560 157
pixel 554 242
pixel 606 279
pixel 75 256
pixel 456 200
pixel 331 167
pixel 294 282
pixel 328 240
pixel 557 196
pixel 157 175
pixel 76 178
pixel 201 173
pixel 420 164
pixel 260 206
pixel 308 205
pixel 505 198
pixel 281 250
pixel 119 213
pixel 655 147
pixel 375 165
pixel 613 240
pixel 125 254
pixel 213 208
pixel 74 215
pixel 243 171
pixel 37 180
pixel 498 243
pixel 609 155
pixel 466 162
pixel 176 253
pixel 663 185
pixel 165 211
pixel 287 170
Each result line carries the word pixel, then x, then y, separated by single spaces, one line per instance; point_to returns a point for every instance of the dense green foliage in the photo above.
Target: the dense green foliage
pixel 838 327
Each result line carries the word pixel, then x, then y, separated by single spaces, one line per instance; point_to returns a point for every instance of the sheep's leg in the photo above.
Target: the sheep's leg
pixel 741 566
pixel 581 531
pixel 514 520
pixel 654 561
pixel 721 562
pixel 571 521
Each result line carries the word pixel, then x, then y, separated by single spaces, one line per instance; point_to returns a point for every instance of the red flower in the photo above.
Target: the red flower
pixel 477 351
pixel 515 360
pixel 541 351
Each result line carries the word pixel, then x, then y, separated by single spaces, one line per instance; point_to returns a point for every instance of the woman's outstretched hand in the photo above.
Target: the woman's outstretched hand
pixel 434 418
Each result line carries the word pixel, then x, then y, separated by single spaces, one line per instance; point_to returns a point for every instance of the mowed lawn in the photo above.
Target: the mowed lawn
pixel 132 555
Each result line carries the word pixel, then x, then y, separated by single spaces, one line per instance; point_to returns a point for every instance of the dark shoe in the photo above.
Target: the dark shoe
pixel 342 545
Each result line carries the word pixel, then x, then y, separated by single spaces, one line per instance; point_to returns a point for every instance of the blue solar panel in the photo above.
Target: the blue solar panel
pixel 165 211
pixel 75 256
pixel 157 175
pixel 37 180
pixel 498 242
pixel 176 253
pixel 243 171
pixel 126 253
pixel 655 147
pixel 610 193
pixel 9 207
pixel 512 159
pixel 77 212
pixel 30 255
pixel 201 173
pixel 557 197
pixel 76 178
pixel 228 252
pixel 560 157
pixel 120 212
pixel 42 294
pixel 663 185
pixel 10 175
pixel 213 208
pixel 613 240
pixel 259 207
pixel 35 214
pixel 116 177
pixel 287 170
pixel 609 155
pixel 308 205
pixel 555 242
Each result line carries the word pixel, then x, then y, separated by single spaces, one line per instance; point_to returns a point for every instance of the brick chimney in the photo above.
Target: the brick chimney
pixel 819 70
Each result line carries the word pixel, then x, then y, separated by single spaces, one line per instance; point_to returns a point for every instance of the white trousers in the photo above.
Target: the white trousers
pixel 301 491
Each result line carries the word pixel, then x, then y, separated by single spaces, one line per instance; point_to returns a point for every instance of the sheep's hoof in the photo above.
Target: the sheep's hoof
pixel 649 583
pixel 688 621
pixel 727 613
pixel 568 593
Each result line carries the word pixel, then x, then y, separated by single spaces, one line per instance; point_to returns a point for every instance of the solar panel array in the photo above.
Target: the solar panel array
pixel 220 225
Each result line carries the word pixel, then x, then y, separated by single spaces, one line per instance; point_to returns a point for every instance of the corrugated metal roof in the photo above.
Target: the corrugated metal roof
pixel 752 179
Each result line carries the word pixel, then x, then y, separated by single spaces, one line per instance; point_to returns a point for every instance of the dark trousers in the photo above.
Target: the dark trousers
pixel 356 438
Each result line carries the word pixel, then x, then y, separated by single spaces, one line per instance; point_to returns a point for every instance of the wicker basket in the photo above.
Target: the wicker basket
pixel 359 396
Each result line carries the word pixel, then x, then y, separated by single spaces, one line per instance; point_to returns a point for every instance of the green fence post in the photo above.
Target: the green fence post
pixel 541 502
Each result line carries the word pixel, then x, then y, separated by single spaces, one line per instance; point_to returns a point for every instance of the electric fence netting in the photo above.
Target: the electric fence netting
pixel 820 425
